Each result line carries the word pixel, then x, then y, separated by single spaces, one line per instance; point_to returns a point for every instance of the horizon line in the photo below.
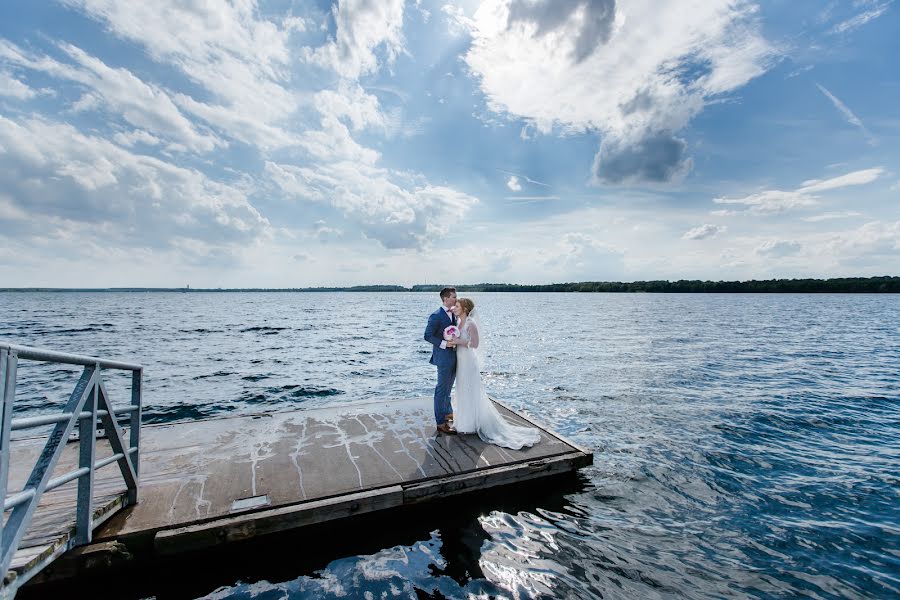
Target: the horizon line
pixel 431 286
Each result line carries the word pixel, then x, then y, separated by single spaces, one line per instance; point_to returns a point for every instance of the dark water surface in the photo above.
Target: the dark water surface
pixel 746 445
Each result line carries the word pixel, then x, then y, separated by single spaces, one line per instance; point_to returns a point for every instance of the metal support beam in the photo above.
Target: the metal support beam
pixel 116 439
pixel 87 445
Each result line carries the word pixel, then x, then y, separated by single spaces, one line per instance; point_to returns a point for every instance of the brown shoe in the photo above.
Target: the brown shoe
pixel 446 429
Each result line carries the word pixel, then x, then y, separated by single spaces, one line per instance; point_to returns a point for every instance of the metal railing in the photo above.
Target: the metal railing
pixel 88 403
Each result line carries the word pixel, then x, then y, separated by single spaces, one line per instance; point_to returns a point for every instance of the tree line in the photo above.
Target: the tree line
pixel 870 285
pixel 841 285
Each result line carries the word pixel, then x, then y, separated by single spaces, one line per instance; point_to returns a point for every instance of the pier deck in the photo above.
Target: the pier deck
pixel 214 481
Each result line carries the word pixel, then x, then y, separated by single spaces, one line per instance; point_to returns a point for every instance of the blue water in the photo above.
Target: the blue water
pixel 745 445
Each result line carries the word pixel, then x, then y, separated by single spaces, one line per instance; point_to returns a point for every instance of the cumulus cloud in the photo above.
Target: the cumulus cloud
pixel 588 23
pixel 379 201
pixel 513 184
pixel 69 181
pixel 655 158
pixel 245 61
pixel 635 74
pixel 363 29
pixel 704 231
pixel 776 201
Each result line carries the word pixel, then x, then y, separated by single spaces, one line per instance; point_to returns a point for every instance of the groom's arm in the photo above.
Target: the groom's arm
pixel 431 332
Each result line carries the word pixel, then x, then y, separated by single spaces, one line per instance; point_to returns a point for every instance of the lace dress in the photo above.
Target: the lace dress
pixel 473 411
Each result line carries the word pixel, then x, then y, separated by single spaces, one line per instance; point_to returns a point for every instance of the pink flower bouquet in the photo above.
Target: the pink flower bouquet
pixel 451 332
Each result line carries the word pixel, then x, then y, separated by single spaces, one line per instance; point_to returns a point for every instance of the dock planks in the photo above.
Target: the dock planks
pixel 220 480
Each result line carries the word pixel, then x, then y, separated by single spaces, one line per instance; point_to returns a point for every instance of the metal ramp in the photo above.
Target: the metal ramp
pixel 43 517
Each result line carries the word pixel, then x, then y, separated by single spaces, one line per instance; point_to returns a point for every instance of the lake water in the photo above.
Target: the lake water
pixel 745 445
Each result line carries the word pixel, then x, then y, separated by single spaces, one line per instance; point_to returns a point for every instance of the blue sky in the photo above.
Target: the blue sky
pixel 291 144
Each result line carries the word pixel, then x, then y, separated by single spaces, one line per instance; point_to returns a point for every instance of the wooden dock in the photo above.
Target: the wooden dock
pixel 215 481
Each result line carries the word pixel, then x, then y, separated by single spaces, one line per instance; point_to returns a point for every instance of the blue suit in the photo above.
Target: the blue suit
pixel 444 359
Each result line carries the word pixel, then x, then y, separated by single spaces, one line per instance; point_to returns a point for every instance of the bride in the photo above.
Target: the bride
pixel 473 410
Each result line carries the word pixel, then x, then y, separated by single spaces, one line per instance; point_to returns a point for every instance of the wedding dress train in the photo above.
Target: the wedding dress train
pixel 474 412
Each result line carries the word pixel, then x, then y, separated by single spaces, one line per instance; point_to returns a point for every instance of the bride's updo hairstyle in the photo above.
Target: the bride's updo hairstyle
pixel 467 305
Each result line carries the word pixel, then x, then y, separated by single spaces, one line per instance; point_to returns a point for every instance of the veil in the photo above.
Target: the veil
pixel 479 352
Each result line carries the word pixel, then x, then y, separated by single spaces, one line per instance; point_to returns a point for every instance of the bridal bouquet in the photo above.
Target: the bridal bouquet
pixel 451 332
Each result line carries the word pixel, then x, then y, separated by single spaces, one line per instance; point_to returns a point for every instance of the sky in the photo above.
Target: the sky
pixel 244 143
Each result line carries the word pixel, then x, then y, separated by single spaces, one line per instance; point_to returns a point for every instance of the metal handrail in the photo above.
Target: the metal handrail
pixel 31 422
pixel 88 407
pixel 42 355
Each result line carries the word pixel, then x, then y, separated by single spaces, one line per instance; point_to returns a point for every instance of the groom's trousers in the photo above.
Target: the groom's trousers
pixel 446 375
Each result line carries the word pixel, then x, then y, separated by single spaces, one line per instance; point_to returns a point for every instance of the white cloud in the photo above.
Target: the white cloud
pixel 636 73
pixel 363 29
pixel 860 19
pixel 379 201
pixel 457 21
pixel 513 184
pixel 776 201
pixel 860 177
pixel 831 215
pixel 848 114
pixel 13 88
pixel 241 60
pixel 777 248
pixel 704 231
pixel 71 182
pixel 352 103
pixel 138 136
pixel 875 238
pixel 120 92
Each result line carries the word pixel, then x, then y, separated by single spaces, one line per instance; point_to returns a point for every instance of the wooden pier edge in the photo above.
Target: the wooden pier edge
pixel 285 518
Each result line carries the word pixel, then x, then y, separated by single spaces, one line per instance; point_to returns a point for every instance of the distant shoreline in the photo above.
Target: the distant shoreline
pixel 843 285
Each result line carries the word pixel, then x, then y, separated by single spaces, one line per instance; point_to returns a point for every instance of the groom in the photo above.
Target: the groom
pixel 443 357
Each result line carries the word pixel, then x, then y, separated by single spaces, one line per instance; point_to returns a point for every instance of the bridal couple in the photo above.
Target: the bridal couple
pixel 458 358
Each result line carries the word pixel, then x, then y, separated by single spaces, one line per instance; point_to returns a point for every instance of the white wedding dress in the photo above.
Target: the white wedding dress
pixel 473 411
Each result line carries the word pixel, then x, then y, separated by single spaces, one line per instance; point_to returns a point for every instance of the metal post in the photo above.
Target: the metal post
pixel 135 433
pixel 7 393
pixel 87 435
